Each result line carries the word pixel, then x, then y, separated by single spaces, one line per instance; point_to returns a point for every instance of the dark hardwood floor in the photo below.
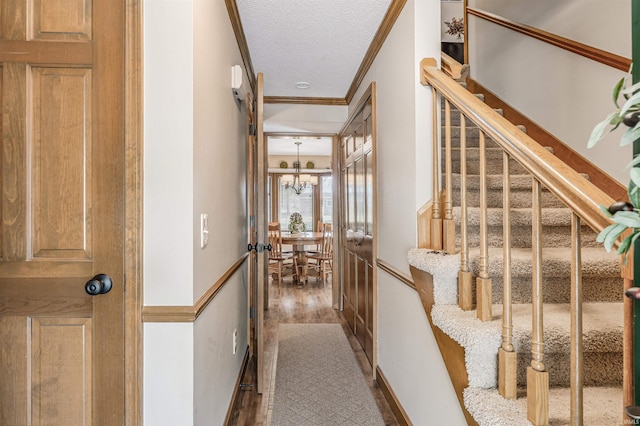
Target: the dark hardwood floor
pixel 291 303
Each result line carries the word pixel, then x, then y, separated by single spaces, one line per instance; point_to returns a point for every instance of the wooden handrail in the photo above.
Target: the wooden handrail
pixel 577 193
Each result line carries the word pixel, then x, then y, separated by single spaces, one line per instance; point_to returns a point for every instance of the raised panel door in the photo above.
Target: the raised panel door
pixel 62 175
pixel 358 203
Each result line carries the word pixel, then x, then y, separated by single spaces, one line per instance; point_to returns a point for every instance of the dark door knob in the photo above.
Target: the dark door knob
pixel 100 284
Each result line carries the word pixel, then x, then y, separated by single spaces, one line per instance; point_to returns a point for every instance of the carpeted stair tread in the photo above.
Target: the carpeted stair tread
pixel 556 261
pixel 473 135
pixel 601 280
pixel 556 227
pixel 598 283
pixel 602 407
pixel 556 216
pixel 602 333
pixel 494 164
pixel 518 182
pixel 602 326
pixel 520 191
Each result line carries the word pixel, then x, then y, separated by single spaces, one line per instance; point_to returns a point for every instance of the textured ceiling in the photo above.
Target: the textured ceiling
pixel 321 42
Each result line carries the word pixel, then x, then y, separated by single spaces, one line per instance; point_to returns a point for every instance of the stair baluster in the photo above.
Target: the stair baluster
pixel 507 357
pixel 576 324
pixel 537 376
pixel 436 220
pixel 449 225
pixel 465 277
pixel 483 282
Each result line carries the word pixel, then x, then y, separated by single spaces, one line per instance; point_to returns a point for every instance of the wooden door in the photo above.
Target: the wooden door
pixel 252 213
pixel 358 223
pixel 260 259
pixel 62 179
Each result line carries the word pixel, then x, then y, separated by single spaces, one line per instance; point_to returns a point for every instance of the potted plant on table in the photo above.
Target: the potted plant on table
pixel 452 42
pixel 296 224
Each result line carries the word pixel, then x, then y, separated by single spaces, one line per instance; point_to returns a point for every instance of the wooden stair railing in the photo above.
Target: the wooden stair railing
pixel 577 193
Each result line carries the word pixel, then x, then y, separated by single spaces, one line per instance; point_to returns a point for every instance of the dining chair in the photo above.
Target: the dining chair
pixel 322 262
pixel 280 263
pixel 318 248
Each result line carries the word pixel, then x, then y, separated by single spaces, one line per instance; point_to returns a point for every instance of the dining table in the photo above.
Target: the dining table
pixel 299 241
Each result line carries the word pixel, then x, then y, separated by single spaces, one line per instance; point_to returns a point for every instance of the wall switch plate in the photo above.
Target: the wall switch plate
pixel 204 230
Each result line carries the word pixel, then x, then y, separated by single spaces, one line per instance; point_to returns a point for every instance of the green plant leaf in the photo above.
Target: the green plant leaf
pixel 634 195
pixel 599 130
pixel 630 90
pixel 613 235
pixel 616 90
pixel 634 162
pixel 628 219
pixel 635 176
pixel 632 102
pixel 625 244
pixel 630 136
pixel 603 234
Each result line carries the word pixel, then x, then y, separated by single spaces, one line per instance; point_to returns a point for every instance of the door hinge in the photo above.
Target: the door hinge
pixel 251 314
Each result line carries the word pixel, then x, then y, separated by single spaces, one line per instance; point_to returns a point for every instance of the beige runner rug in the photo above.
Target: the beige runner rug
pixel 318 380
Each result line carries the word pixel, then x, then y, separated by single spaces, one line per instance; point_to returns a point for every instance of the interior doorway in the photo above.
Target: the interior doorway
pixel 301 179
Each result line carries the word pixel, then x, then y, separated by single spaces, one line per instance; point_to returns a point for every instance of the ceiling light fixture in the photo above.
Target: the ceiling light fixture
pixel 303 85
pixel 298 182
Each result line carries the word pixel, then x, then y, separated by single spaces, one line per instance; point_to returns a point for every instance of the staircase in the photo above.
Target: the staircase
pixel 602 295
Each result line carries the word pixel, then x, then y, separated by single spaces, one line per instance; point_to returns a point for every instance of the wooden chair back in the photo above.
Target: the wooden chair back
pixel 275 239
pixel 327 240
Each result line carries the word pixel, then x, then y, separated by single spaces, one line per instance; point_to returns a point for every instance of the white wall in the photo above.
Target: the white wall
pixel 564 93
pixel 168 374
pixel 407 352
pixel 300 118
pixel 168 152
pixel 195 162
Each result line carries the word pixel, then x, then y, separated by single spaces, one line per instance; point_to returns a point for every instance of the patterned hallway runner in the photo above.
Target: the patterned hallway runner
pixel 318 380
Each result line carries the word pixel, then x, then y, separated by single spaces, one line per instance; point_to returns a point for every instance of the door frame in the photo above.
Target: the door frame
pixel 133 201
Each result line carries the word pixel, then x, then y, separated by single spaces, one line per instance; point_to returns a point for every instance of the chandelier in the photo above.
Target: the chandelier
pixel 298 182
